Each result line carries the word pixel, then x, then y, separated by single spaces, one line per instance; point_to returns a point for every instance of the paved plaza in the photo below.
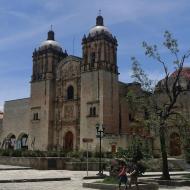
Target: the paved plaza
pixel 24 173
pixel 71 185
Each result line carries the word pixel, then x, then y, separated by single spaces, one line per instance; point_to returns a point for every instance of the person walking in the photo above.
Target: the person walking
pixel 134 175
pixel 122 175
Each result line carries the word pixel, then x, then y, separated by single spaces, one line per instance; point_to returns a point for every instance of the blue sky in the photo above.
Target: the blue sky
pixel 24 25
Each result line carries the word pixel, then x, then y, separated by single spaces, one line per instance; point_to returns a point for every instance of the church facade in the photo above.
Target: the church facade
pixel 70 96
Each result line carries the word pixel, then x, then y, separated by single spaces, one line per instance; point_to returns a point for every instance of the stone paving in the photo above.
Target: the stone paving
pixel 175 188
pixel 74 184
pixel 32 174
pixel 12 167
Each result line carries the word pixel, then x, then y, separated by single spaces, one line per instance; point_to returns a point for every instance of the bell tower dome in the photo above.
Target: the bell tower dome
pixel 99 48
pixel 46 57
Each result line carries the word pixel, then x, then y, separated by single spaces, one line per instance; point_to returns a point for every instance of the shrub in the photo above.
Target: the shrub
pixel 62 154
pixel 93 159
pixel 97 155
pixel 108 155
pixel 15 153
pixel 29 153
pixel 74 154
pixel 110 180
pixel 84 154
pixel 5 152
pixel 52 154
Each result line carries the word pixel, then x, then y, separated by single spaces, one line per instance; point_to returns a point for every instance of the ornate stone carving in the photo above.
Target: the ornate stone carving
pixel 68 111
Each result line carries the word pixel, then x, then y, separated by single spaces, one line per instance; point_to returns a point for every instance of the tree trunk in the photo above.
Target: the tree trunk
pixel 165 170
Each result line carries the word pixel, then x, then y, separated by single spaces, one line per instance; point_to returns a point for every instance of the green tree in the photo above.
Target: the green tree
pixel 165 94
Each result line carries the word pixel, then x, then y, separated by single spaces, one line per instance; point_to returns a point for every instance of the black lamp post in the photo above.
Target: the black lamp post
pixel 100 135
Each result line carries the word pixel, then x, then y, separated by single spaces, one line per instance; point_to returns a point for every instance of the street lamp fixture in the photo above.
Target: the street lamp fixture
pixel 100 134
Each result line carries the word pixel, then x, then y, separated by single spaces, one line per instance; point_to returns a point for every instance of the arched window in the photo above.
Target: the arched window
pixel 10 141
pixel 70 93
pixel 22 141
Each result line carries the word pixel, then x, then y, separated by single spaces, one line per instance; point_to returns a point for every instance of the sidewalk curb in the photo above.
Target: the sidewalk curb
pixel 33 180
pixel 158 175
pixel 176 182
pixel 149 186
pixel 95 177
pixel 8 169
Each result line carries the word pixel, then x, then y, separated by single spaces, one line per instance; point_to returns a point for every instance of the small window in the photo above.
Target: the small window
pixel 92 111
pixel 35 116
pixel 131 118
pixel 92 59
pixel 70 93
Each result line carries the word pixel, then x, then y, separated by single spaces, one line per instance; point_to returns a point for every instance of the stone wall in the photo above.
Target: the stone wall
pixel 40 104
pixel 16 118
pixel 43 163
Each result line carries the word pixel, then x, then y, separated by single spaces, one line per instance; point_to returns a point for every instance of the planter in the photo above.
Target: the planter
pixel 142 186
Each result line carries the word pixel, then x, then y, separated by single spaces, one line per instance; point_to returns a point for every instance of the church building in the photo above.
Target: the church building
pixel 70 96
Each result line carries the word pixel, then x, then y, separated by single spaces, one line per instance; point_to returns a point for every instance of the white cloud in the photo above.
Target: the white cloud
pixel 155 75
pixel 123 10
pixel 82 15
pixel 15 14
pixel 54 5
pixel 30 33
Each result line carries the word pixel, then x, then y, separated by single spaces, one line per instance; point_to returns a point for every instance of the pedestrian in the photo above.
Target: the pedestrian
pixel 134 175
pixel 122 175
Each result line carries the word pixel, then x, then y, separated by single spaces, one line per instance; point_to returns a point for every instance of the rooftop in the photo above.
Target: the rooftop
pixel 185 73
